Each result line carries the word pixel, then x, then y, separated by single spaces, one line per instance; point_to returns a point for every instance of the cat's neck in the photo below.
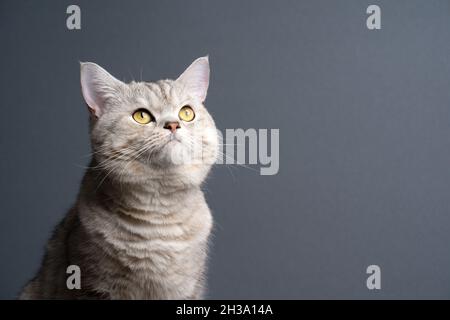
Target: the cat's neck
pixel 160 191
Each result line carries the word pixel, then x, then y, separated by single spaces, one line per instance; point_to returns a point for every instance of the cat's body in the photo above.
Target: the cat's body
pixel 140 226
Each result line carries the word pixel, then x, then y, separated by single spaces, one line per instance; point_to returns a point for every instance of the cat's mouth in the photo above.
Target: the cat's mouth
pixel 171 151
pixel 172 138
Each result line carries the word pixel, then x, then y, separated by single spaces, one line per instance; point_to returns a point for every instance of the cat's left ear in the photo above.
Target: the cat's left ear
pixel 196 78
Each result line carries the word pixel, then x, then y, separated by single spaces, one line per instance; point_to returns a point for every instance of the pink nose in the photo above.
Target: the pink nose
pixel 172 126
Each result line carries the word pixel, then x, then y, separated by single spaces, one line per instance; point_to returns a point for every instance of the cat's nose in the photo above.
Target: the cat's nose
pixel 172 126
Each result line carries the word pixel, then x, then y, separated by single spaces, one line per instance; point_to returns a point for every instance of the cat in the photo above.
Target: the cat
pixel 140 226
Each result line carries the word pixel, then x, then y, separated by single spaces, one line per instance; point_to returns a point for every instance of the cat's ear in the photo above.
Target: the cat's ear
pixel 97 84
pixel 196 78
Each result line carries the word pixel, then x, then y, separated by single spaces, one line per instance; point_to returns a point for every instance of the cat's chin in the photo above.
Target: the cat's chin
pixel 172 154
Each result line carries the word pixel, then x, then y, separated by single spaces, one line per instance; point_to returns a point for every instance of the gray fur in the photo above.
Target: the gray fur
pixel 140 226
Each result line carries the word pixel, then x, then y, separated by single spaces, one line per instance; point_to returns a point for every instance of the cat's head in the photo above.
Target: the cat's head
pixel 151 128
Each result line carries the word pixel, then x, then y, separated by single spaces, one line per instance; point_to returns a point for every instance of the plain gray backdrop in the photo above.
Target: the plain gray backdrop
pixel 364 119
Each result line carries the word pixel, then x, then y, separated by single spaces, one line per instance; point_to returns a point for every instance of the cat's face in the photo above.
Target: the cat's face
pixel 160 125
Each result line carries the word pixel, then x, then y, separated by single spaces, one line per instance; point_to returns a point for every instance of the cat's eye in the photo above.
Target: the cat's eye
pixel 142 116
pixel 186 114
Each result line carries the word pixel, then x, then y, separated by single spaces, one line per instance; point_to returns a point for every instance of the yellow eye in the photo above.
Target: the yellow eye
pixel 142 116
pixel 186 114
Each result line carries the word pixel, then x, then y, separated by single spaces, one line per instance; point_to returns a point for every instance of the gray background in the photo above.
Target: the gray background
pixel 364 119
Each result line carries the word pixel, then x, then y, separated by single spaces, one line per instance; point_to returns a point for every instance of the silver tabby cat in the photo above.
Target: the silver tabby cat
pixel 140 225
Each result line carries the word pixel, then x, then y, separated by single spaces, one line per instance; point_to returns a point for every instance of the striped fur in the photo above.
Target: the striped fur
pixel 140 226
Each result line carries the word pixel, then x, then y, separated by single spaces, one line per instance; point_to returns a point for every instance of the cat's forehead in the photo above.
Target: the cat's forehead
pixel 156 95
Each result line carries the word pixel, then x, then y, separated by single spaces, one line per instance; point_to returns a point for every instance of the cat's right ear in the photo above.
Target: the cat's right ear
pixel 96 85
